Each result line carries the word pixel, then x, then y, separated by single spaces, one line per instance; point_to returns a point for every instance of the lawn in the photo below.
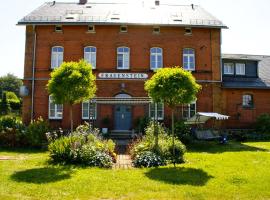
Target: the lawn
pixel 211 171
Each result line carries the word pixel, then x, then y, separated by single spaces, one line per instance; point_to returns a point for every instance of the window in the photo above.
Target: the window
pixel 188 31
pixel 55 110
pixel 57 57
pixel 240 69
pixel 90 54
pixel 156 111
pixel 229 68
pixel 189 110
pixel 156 29
pixel 156 58
pixel 89 108
pixel 91 28
pixel 247 100
pixel 123 29
pixel 122 58
pixel 189 59
pixel 58 28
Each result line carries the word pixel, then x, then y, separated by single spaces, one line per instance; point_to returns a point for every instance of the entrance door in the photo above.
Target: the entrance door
pixel 122 116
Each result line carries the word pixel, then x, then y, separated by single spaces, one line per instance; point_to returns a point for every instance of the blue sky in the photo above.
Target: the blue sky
pixel 248 22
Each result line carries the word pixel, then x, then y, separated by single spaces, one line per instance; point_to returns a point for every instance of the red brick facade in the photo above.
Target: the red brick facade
pixel 205 42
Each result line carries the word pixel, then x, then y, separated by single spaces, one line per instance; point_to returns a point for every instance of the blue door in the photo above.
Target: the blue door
pixel 122 116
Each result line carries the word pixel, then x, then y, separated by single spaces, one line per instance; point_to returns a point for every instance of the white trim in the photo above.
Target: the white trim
pixel 189 110
pixel 226 72
pixel 95 111
pixel 242 67
pixel 57 54
pixel 126 55
pixel 94 65
pixel 123 31
pixel 156 111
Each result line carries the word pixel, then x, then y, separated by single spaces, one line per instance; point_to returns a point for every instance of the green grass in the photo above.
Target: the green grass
pixel 212 171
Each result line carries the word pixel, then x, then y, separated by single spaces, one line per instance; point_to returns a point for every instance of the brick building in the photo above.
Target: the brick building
pixel 124 48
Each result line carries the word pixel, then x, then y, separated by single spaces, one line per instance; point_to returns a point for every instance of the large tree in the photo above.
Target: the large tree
pixel 172 86
pixel 71 83
pixel 10 83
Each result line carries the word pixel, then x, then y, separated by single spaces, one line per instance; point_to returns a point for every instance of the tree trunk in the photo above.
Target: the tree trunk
pixel 156 133
pixel 71 117
pixel 173 137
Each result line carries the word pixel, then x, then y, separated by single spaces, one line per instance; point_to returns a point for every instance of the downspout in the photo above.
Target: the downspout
pixel 221 67
pixel 33 72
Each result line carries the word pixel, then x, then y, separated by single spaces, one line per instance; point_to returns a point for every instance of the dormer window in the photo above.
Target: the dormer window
pixel 228 68
pixel 240 69
pixel 123 29
pixel 58 28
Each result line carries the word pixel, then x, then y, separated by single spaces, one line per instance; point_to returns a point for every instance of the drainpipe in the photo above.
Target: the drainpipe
pixel 33 72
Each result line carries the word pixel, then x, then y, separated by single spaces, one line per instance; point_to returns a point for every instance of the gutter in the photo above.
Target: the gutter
pixel 33 72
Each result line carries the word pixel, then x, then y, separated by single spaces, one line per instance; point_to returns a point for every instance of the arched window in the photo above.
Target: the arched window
pixel 55 110
pixel 247 101
pixel 189 59
pixel 123 58
pixel 156 58
pixel 57 56
pixel 90 55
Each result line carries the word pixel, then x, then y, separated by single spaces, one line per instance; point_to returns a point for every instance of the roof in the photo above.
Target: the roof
pixel 261 82
pixel 121 13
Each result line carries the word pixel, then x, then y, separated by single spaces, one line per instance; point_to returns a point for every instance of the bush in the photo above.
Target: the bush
pixel 141 123
pixel 12 132
pixel 36 132
pixel 148 159
pixel 83 147
pixel 183 133
pixel 165 145
pixel 263 123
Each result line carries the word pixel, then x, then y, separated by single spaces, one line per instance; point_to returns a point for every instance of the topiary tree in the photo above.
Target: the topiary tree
pixel 172 86
pixel 71 83
pixel 4 105
pixel 13 100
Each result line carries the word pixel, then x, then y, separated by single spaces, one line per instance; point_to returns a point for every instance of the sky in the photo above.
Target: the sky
pixel 248 22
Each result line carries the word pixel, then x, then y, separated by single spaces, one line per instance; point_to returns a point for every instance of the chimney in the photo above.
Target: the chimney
pixel 157 2
pixel 83 2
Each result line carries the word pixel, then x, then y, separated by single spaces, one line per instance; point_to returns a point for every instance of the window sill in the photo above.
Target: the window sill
pixel 248 107
pixel 55 119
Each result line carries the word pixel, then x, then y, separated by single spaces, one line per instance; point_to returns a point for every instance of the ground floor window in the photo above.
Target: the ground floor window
pixel 55 110
pixel 189 110
pixel 156 111
pixel 89 110
pixel 247 101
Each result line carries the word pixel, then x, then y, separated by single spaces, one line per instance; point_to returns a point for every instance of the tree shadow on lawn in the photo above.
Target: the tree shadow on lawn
pixel 179 176
pixel 22 150
pixel 214 147
pixel 42 175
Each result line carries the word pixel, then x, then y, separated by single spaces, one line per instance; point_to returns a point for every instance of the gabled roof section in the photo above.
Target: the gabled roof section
pixel 262 82
pixel 121 13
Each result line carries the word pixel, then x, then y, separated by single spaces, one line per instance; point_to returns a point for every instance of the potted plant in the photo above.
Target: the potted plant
pixel 105 124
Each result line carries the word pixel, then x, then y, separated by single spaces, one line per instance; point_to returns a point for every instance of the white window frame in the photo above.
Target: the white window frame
pixel 56 108
pixel 189 110
pixel 95 110
pixel 93 29
pixel 156 55
pixel 57 57
pixel 123 29
pixel 156 111
pixel 126 58
pixel 244 100
pixel 91 57
pixel 187 65
pixel 226 71
pixel 240 69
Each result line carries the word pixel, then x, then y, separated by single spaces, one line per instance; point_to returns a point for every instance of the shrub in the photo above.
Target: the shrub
pixel 141 123
pixel 36 132
pixel 148 159
pixel 183 133
pixel 165 145
pixel 12 132
pixel 263 123
pixel 83 147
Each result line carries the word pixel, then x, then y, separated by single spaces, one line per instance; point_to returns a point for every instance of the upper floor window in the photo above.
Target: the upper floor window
pixel 123 29
pixel 189 110
pixel 55 110
pixel 57 56
pixel 156 111
pixel 89 110
pixel 91 28
pixel 229 68
pixel 156 58
pixel 189 59
pixel 247 100
pixel 122 58
pixel 156 29
pixel 90 54
pixel 58 28
pixel 240 69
